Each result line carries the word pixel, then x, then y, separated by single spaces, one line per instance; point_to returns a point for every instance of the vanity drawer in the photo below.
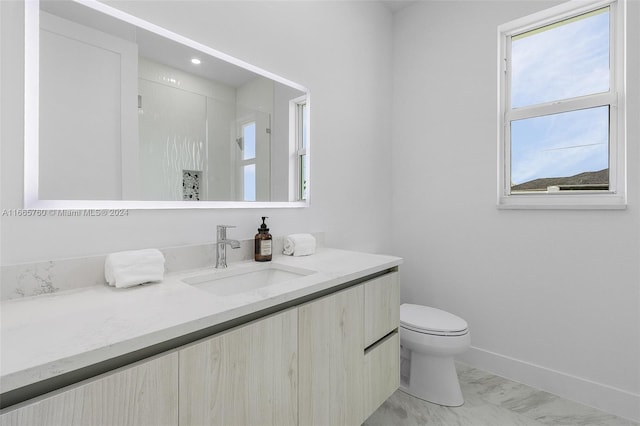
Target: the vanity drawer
pixel 145 393
pixel 381 307
pixel 381 372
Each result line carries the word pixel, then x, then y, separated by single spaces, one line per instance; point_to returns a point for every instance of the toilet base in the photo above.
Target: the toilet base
pixel 434 379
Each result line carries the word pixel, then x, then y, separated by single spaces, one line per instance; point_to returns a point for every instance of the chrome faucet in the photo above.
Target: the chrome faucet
pixel 221 245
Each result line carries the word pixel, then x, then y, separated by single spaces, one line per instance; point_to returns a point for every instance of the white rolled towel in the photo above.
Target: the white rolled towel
pixel 130 268
pixel 299 245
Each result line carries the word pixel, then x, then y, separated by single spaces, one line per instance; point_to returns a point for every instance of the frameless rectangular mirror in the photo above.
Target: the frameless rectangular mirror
pixel 123 113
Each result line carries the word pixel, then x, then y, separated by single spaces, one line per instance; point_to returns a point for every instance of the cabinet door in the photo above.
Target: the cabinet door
pixel 381 307
pixel 381 372
pixel 331 346
pixel 144 394
pixel 246 376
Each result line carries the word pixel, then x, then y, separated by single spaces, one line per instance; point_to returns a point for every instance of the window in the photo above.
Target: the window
pixel 248 161
pixel 300 122
pixel 561 120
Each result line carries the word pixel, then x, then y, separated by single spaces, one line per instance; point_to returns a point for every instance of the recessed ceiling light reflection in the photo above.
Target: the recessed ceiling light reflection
pixel 195 61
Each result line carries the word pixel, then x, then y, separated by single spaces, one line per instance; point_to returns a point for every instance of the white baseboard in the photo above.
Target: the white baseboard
pixel 603 397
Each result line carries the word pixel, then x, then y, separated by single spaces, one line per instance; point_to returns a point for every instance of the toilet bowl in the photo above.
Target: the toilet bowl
pixel 429 339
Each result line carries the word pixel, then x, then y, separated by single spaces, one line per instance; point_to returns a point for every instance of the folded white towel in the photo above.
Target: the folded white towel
pixel 129 268
pixel 299 245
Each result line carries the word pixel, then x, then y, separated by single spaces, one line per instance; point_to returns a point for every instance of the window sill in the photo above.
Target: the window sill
pixel 547 201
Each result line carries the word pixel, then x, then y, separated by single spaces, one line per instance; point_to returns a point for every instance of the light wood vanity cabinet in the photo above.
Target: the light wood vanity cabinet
pixel 330 361
pixel 349 352
pixel 143 394
pixel 245 376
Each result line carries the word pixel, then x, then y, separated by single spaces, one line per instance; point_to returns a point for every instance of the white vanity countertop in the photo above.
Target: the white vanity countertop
pixel 45 336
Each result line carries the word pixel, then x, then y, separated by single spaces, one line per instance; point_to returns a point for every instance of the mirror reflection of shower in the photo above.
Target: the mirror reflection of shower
pixel 196 142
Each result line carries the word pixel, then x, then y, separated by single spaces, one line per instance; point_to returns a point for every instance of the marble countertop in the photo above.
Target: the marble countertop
pixel 45 336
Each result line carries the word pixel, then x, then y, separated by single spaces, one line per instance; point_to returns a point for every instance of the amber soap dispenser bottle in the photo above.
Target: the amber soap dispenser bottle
pixel 263 247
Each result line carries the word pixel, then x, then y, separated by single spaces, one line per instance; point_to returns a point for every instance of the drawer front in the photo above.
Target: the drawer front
pixel 144 394
pixel 381 372
pixel 381 307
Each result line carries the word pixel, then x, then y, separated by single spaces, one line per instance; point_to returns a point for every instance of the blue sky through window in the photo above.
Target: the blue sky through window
pixel 249 153
pixel 564 60
pixel 560 145
pixel 249 138
pixel 250 182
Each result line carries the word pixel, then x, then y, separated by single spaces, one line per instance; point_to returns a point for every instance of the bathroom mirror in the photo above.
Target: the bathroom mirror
pixel 122 113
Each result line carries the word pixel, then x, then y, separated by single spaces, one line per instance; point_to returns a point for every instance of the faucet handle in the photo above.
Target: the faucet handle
pixel 222 231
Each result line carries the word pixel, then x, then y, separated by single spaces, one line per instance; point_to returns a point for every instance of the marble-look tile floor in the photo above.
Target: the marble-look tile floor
pixel 491 400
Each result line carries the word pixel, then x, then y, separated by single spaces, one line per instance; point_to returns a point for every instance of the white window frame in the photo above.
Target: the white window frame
pixel 296 151
pixel 613 198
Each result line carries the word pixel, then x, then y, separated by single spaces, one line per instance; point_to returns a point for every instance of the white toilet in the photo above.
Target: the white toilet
pixel 429 339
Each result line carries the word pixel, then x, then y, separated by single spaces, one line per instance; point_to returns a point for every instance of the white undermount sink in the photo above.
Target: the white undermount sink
pixel 242 278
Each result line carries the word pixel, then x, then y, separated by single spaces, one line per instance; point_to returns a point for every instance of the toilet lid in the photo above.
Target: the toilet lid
pixel 425 319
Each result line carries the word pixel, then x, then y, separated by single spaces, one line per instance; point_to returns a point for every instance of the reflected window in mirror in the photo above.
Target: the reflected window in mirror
pixel 248 164
pixel 299 106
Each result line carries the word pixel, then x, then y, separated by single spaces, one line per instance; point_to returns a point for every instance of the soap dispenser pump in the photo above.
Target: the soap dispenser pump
pixel 263 247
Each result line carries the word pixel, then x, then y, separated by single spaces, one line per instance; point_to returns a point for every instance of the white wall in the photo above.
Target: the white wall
pixel 341 51
pixel 85 91
pixel 551 297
